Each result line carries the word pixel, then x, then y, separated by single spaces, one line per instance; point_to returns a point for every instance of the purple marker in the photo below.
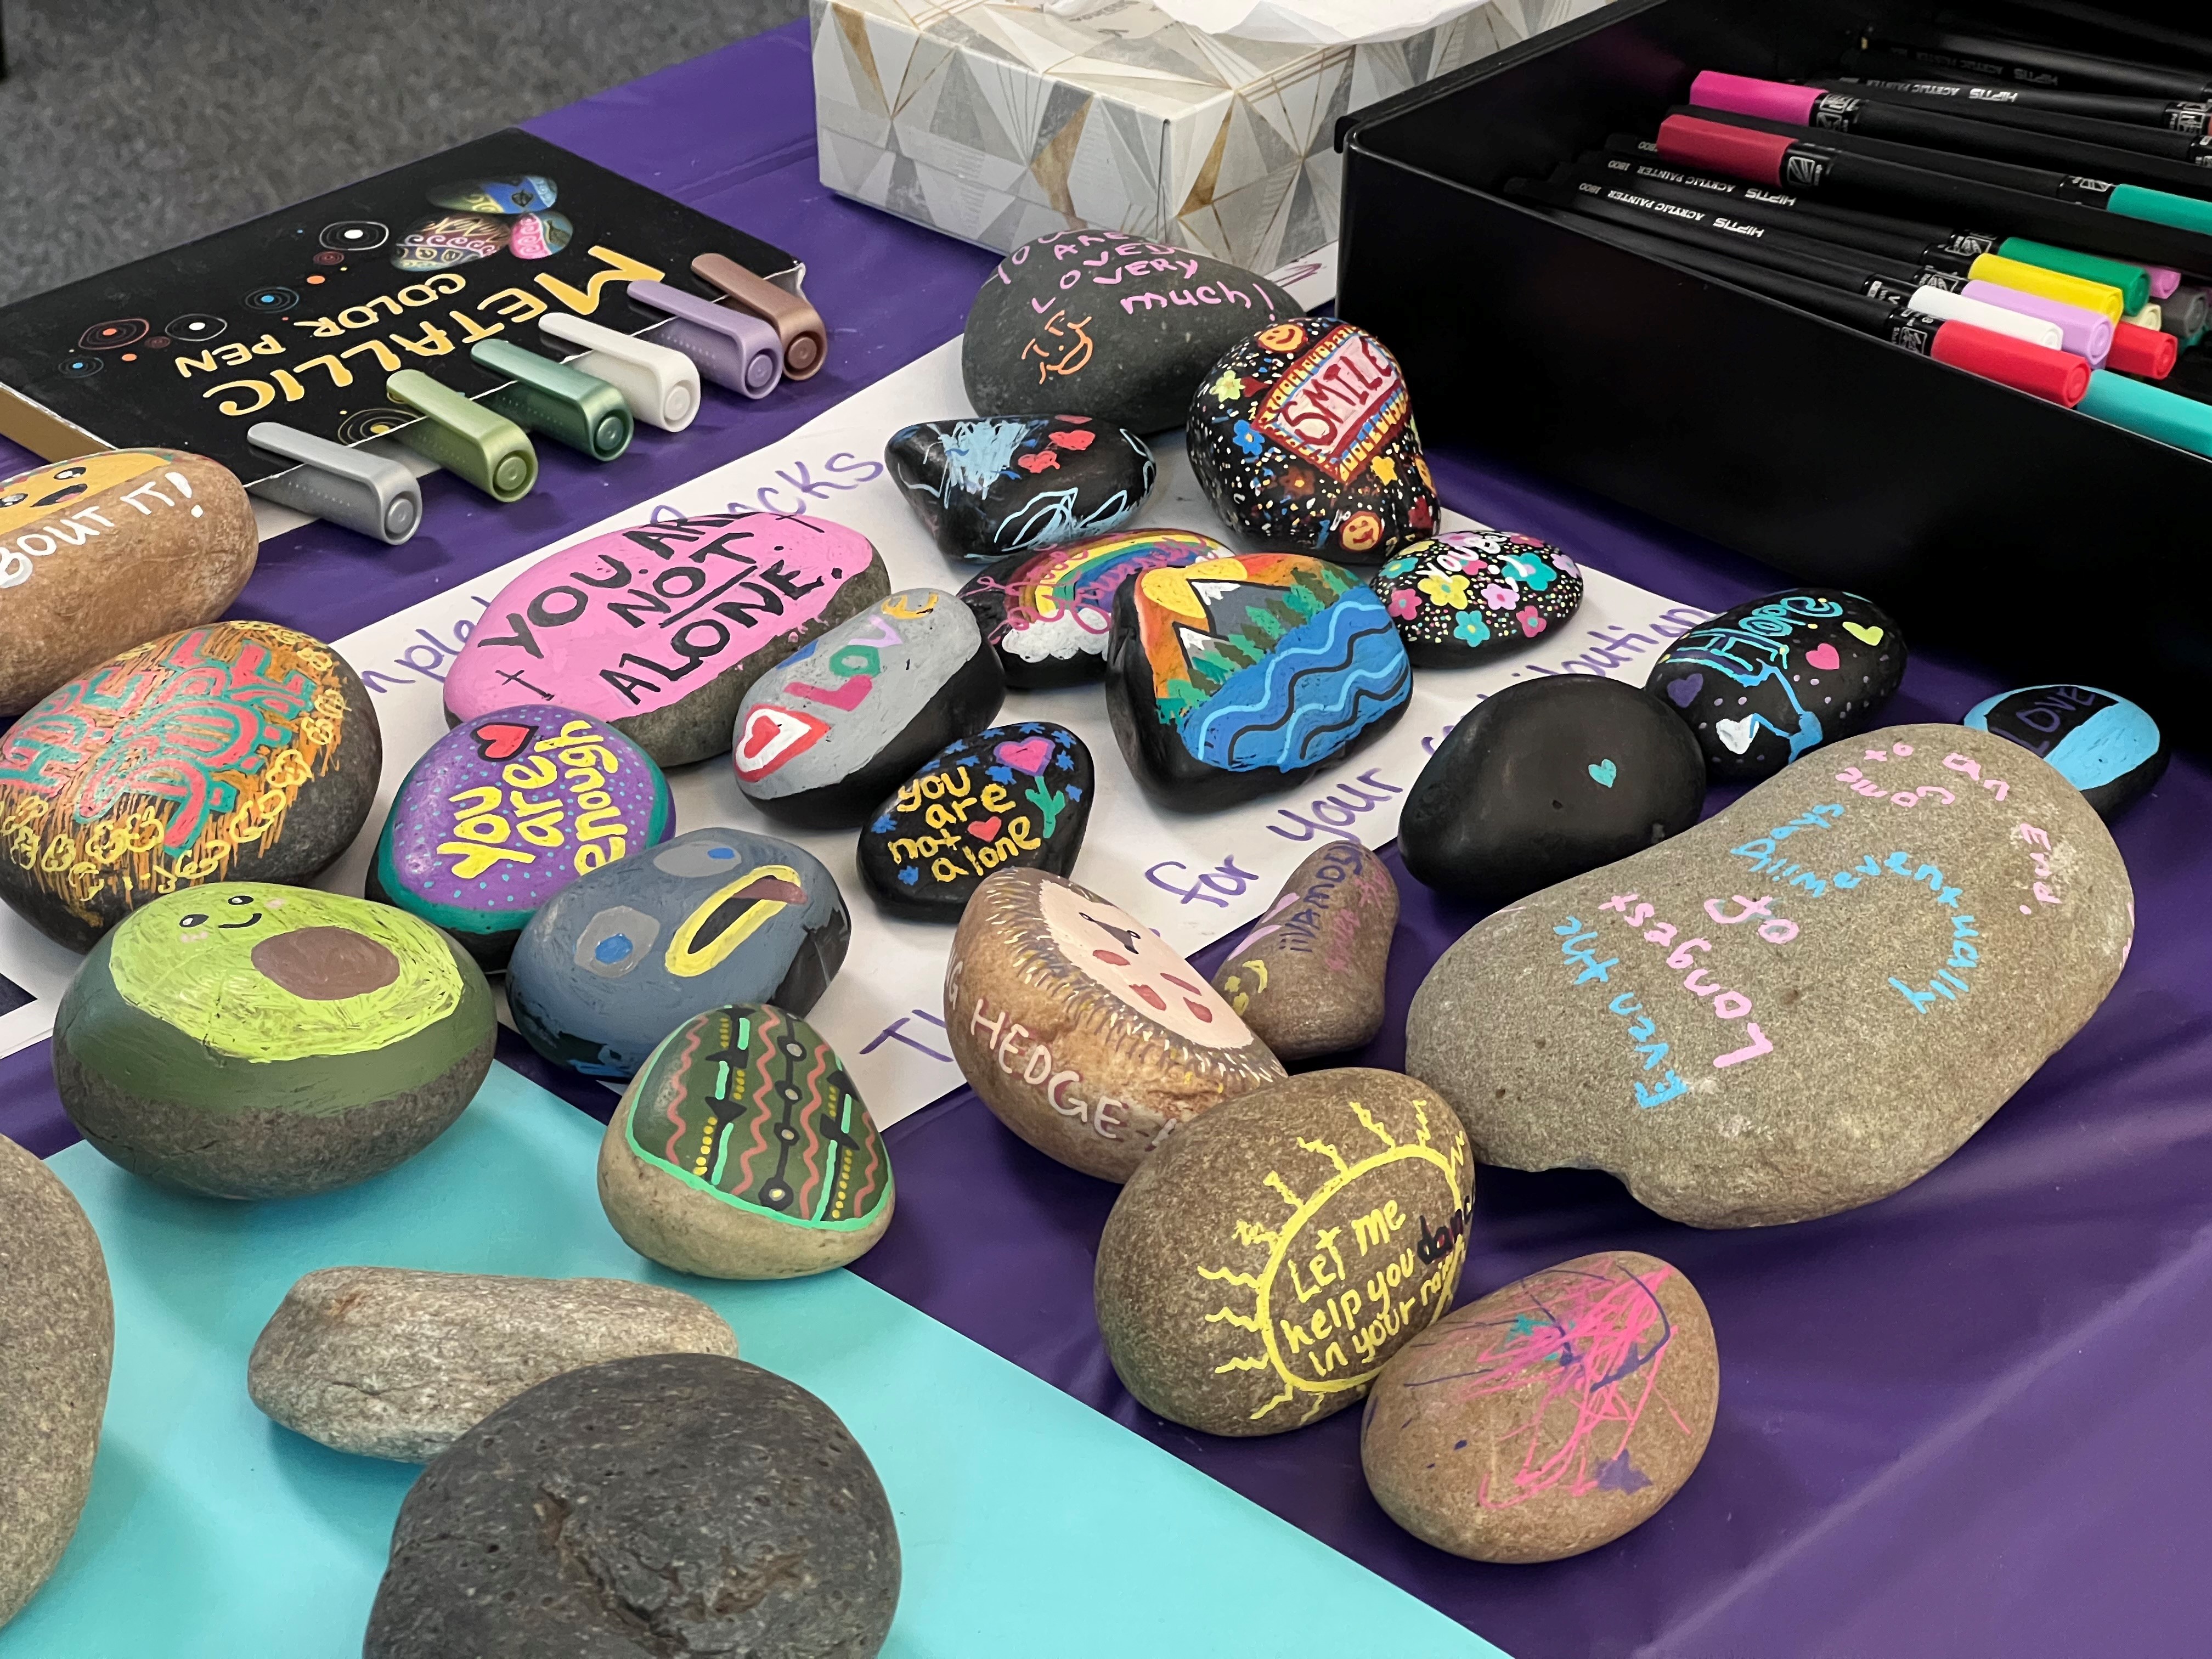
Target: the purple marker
pixel 733 348
pixel 2163 281
pixel 2085 333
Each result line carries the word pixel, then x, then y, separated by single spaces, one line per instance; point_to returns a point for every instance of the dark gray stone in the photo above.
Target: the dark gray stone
pixel 991 487
pixel 658 1507
pixel 1100 323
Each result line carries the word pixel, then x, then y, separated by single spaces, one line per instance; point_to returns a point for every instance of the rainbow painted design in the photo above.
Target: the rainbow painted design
pixel 749 1104
pixel 1048 614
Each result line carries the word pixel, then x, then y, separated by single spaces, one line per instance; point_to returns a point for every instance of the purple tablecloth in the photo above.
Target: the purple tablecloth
pixel 1952 1423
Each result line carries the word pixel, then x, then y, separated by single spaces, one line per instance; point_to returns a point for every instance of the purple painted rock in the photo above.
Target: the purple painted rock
pixel 1551 1416
pixel 507 809
pixel 1307 978
pixel 659 629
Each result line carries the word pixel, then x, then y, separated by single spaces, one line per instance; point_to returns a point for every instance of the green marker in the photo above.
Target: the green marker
pixel 558 399
pixel 463 437
pixel 2161 207
pixel 2132 281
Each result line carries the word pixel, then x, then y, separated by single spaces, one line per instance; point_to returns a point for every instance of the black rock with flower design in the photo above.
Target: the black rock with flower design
pixel 1304 437
pixel 1016 796
pixel 1471 594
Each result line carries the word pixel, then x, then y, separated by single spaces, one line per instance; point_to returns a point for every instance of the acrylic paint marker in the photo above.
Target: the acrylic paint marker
pixel 2176 115
pixel 2149 352
pixel 1836 112
pixel 2132 281
pixel 1723 143
pixel 2184 312
pixel 2100 297
pixel 2053 66
pixel 2147 409
pixel 2086 334
pixel 2147 140
pixel 2160 38
pixel 2163 281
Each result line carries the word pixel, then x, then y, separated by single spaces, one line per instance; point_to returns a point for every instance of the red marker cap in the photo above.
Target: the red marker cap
pixel 1736 152
pixel 2059 376
pixel 2148 352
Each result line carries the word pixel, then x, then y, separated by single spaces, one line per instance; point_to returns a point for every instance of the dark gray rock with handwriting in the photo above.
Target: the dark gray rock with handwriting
pixel 1802 1005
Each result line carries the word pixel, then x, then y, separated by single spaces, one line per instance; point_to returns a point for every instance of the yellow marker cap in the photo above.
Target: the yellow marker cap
pixel 2102 298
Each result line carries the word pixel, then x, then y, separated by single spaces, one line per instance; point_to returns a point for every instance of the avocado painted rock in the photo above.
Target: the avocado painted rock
pixel 239 751
pixel 1470 595
pixel 621 957
pixel 659 629
pixel 1090 1037
pixel 56 1347
pixel 1102 324
pixel 1800 1006
pixel 102 552
pixel 1303 436
pixel 246 1039
pixel 669 1504
pixel 1050 615
pixel 1775 678
pixel 398 1362
pixel 1257 1271
pixel 827 732
pixel 505 811
pixel 1551 1416
pixel 1014 797
pixel 1545 780
pixel 741 1149
pixel 2106 746
pixel 986 487
pixel 1309 977
pixel 1232 676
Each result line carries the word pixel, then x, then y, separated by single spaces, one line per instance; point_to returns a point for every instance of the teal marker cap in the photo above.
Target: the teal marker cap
pixel 2178 421
pixel 2132 281
pixel 463 436
pixel 558 399
pixel 2161 207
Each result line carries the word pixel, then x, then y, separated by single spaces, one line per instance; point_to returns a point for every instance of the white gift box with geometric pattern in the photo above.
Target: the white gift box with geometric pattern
pixel 996 122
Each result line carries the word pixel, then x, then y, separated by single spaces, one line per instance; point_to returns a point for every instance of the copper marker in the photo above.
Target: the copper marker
pixel 797 324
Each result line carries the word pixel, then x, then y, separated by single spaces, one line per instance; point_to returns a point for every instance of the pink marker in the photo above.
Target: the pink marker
pixel 2164 281
pixel 2086 334
pixel 1740 94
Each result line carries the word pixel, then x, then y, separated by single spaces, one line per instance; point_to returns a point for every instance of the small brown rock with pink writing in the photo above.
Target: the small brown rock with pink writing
pixel 1307 978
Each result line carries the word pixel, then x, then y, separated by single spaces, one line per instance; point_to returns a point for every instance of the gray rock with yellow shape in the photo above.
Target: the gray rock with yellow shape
pixel 1800 1006
pixel 1263 1265
pixel 1309 976
pixel 57 1345
pixel 741 1149
pixel 245 1040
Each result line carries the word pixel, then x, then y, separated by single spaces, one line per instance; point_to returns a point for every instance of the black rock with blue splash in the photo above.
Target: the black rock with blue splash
pixel 2106 746
pixel 996 485
pixel 1016 796
pixel 1778 677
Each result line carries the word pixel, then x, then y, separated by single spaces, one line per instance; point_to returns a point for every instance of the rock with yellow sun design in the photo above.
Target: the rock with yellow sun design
pixel 1262 1266
pixel 1083 1029
pixel 249 1040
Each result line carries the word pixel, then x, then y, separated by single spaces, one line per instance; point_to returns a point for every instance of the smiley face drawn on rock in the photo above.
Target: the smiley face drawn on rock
pixel 1127 959
pixel 271 973
pixel 27 498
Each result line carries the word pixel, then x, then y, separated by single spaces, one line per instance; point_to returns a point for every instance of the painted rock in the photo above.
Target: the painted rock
pixel 669 1504
pixel 1050 615
pixel 987 488
pixel 505 811
pixel 661 629
pixel 1232 676
pixel 1090 1037
pixel 238 751
pixel 1015 796
pixel 57 1345
pixel 827 732
pixel 1470 595
pixel 102 552
pixel 2103 744
pixel 618 958
pixel 1545 780
pixel 1256 1274
pixel 1303 436
pixel 446 240
pixel 1803 1004
pixel 741 1149
pixel 539 235
pixel 246 1039
pixel 398 1362
pixel 528 192
pixel 1778 677
pixel 1307 978
pixel 1107 324
pixel 1551 1416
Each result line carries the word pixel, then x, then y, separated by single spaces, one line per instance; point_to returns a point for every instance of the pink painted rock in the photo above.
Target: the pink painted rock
pixel 659 629
pixel 1307 978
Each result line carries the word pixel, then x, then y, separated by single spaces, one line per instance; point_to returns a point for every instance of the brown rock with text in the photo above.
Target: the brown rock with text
pixel 1309 976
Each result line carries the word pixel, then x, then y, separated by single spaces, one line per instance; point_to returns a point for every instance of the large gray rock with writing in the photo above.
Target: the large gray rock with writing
pixel 1802 1005
pixel 1102 324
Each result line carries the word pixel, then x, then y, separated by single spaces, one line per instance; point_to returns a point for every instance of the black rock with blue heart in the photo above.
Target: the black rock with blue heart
pixel 998 485
pixel 1546 780
pixel 1017 796
pixel 1778 677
